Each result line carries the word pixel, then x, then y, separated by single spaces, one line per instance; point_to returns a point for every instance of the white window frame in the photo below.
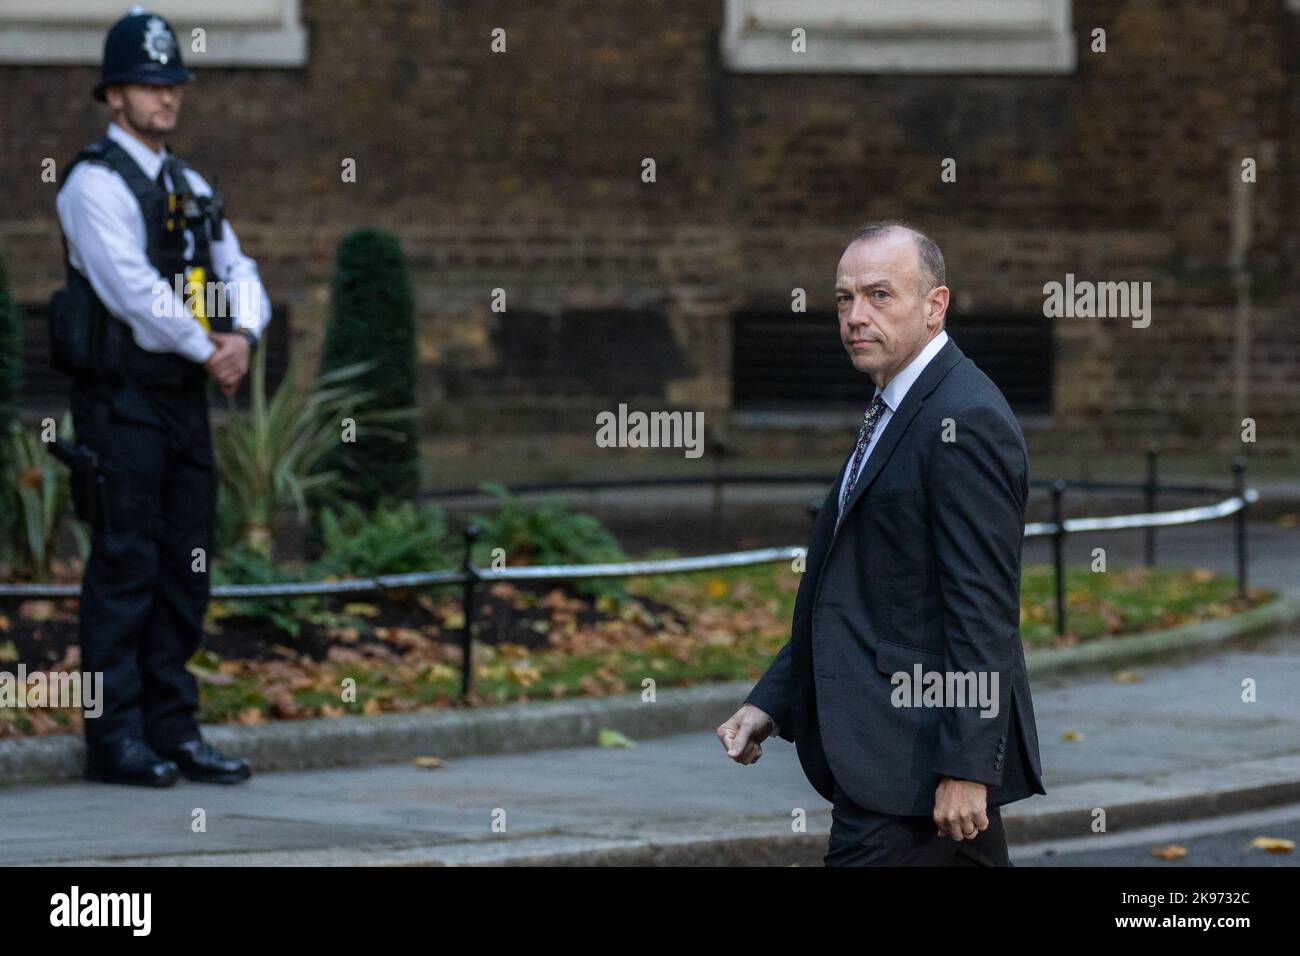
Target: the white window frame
pixel 259 33
pixel 900 36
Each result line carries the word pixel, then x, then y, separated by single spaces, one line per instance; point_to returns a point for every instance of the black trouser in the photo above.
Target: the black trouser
pixel 145 589
pixel 862 837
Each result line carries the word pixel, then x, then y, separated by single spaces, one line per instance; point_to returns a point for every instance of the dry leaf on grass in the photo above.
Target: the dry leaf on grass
pixel 36 610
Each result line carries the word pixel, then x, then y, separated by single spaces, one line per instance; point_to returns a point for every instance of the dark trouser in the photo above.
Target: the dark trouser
pixel 142 599
pixel 862 837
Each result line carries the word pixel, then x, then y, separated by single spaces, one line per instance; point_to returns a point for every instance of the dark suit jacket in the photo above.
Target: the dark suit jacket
pixel 924 568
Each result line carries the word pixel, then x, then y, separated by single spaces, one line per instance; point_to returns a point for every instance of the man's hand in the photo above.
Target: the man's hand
pixel 959 808
pixel 229 363
pixel 742 736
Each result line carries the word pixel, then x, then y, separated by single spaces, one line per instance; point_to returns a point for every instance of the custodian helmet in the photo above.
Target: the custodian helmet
pixel 141 48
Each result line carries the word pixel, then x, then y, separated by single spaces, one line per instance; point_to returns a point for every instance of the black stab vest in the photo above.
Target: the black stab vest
pixel 85 338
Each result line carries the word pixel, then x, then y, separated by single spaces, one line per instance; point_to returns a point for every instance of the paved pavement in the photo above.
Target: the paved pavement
pixel 1219 841
pixel 1178 732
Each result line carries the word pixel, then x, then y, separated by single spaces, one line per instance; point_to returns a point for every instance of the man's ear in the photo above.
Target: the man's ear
pixel 115 98
pixel 936 303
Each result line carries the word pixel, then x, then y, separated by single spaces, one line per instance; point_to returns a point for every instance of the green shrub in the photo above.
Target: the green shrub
pixel 391 540
pixel 245 564
pixel 269 459
pixel 37 489
pixel 544 534
pixel 372 319
pixel 11 351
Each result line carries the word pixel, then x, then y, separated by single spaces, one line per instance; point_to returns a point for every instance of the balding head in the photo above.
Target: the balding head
pixel 929 258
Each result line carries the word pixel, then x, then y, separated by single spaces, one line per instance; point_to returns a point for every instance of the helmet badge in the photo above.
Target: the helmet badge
pixel 158 40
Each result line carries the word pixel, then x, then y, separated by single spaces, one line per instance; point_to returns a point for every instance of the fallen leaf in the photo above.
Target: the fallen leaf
pixel 206 676
pixel 1070 736
pixel 1170 852
pixel 429 763
pixel 1127 677
pixel 1272 844
pixel 284 706
pixel 523 674
pixel 612 738
pixel 250 716
pixel 36 610
pixel 43 723
pixel 407 637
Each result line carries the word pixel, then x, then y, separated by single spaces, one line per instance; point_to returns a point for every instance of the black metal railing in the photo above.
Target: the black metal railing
pixel 471 576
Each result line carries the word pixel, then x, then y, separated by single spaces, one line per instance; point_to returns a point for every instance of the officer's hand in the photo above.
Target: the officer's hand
pixel 229 363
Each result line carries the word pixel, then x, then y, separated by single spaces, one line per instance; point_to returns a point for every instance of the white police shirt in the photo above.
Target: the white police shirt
pixel 106 243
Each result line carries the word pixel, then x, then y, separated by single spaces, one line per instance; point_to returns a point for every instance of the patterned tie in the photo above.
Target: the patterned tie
pixel 869 421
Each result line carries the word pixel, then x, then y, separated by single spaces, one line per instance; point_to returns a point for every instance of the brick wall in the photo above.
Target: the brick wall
pixel 523 172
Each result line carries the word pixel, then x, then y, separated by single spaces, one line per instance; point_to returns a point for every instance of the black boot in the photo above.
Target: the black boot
pixel 203 763
pixel 129 760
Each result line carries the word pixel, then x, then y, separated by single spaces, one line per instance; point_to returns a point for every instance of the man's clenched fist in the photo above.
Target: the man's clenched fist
pixel 742 736
pixel 960 808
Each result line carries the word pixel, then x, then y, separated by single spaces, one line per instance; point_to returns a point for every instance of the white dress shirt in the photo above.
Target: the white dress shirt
pixel 893 395
pixel 106 243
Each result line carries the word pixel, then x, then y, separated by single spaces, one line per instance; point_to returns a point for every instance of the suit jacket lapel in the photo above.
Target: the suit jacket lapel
pixel 939 366
pixel 820 536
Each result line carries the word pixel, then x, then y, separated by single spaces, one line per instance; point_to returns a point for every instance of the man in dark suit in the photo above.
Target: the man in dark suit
pixel 903 683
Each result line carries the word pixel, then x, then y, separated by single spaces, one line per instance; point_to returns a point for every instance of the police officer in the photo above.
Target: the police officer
pixel 146 244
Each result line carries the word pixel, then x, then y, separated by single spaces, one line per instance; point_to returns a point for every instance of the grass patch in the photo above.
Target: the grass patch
pixel 732 623
pixel 677 630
